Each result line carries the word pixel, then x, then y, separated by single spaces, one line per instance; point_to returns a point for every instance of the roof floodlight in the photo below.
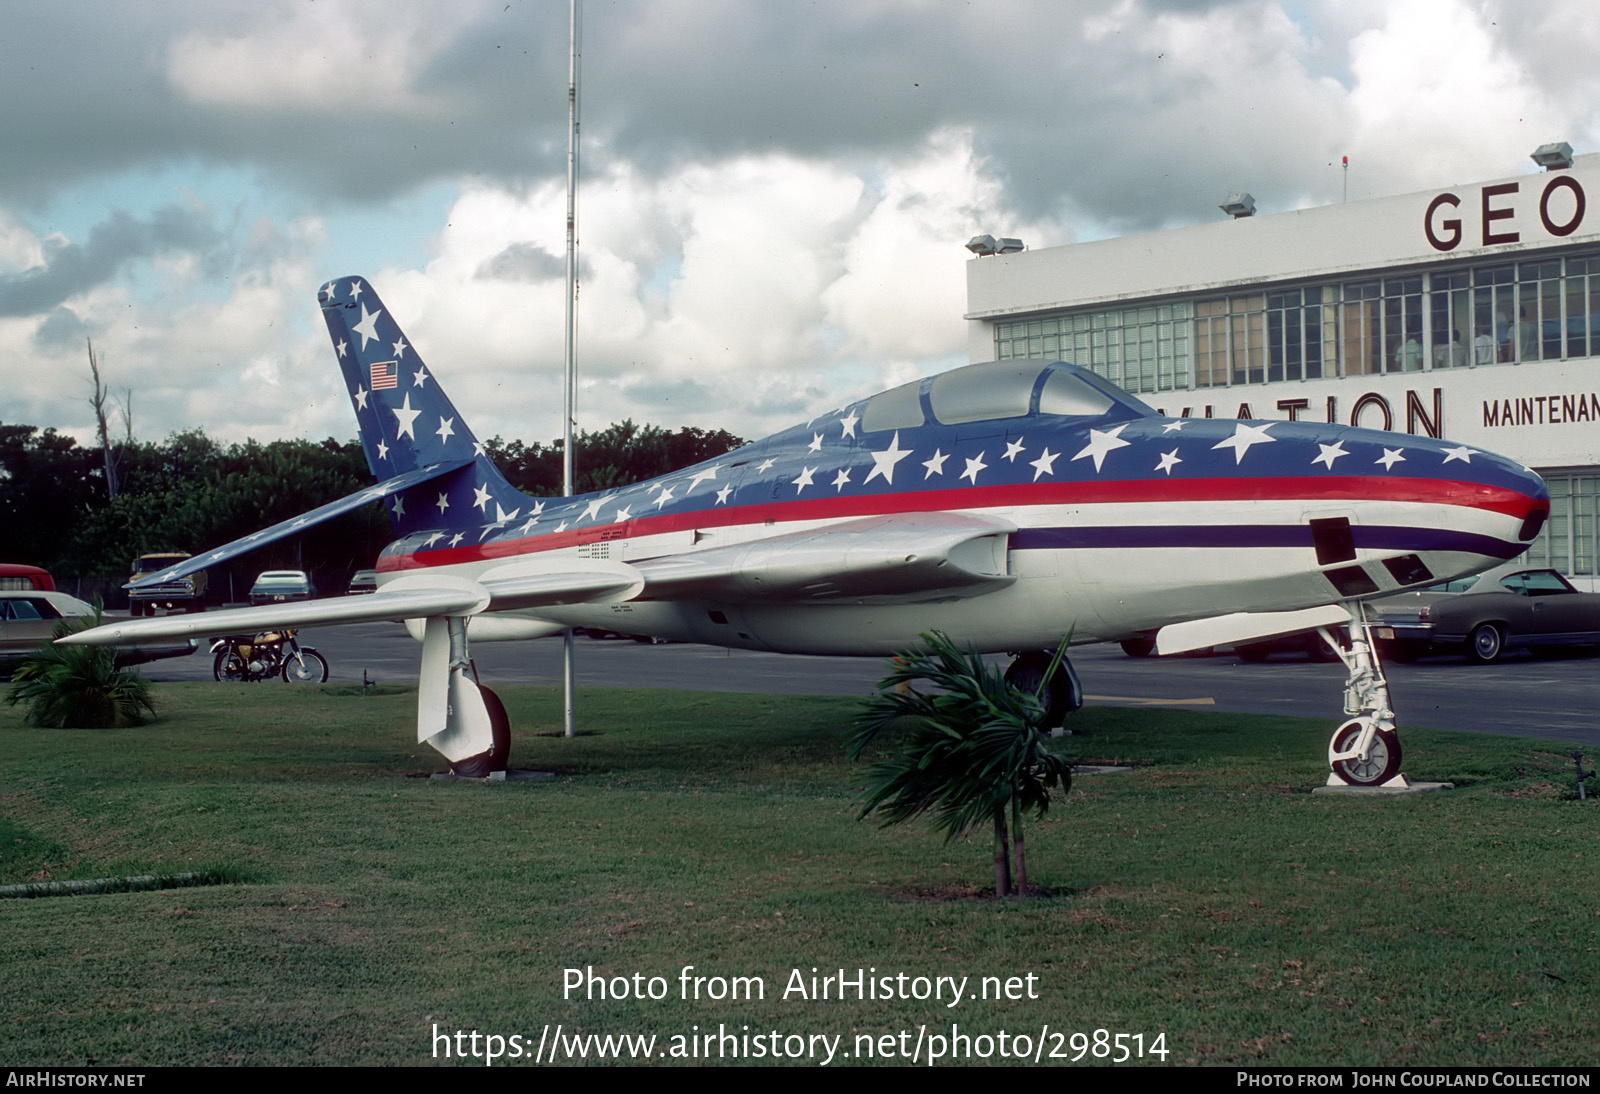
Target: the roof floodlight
pixel 1238 205
pixel 1006 245
pixel 1554 156
pixel 981 245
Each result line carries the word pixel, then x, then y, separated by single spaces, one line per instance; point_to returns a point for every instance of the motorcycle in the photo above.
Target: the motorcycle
pixel 246 657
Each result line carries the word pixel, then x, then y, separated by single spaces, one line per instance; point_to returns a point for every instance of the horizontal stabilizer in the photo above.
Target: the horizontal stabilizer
pixel 301 523
pixel 1230 630
pixel 900 558
pixel 407 598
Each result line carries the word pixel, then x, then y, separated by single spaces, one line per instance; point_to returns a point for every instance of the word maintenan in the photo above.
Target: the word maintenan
pixel 854 985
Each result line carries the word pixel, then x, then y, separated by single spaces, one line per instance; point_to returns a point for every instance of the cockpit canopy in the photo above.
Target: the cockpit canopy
pixel 998 390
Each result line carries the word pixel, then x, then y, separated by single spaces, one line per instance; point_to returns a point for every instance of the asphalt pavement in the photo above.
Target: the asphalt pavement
pixel 1521 695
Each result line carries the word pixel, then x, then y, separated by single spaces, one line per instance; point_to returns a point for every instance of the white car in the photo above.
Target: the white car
pixel 29 616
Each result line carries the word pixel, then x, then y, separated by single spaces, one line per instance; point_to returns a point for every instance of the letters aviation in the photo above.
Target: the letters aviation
pixel 1006 504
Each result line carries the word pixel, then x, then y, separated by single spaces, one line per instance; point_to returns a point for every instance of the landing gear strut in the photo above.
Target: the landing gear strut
pixel 466 722
pixel 1065 694
pixel 1364 751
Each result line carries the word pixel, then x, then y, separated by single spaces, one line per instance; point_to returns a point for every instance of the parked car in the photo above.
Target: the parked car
pixel 1504 608
pixel 276 586
pixel 28 617
pixel 364 581
pixel 14 575
pixel 187 594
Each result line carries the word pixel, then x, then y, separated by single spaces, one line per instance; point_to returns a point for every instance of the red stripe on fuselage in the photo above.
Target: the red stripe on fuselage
pixel 1348 488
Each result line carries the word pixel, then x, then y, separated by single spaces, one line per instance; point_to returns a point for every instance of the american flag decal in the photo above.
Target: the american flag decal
pixel 385 374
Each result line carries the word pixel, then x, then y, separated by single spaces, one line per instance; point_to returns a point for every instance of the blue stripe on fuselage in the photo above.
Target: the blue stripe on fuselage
pixel 1370 537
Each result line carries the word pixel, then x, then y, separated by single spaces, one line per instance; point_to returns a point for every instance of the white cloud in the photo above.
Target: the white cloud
pixel 324 58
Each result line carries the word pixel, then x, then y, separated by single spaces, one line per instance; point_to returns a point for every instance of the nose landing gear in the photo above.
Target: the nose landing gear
pixel 1364 751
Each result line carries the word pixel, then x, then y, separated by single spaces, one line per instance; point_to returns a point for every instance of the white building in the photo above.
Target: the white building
pixel 1470 312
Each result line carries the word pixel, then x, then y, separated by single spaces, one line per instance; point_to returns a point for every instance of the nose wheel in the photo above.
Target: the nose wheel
pixel 1363 754
pixel 1365 750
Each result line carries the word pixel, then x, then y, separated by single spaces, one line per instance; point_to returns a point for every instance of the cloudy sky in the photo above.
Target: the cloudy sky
pixel 774 195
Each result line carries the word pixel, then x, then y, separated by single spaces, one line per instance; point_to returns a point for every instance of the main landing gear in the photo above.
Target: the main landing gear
pixel 1065 694
pixel 1365 750
pixel 463 720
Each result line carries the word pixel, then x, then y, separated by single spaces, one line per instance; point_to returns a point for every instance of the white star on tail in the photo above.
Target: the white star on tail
pixel 480 498
pixel 383 450
pixel 446 430
pixel 664 497
pixel 623 514
pixel 399 507
pixel 883 462
pixel 443 503
pixel 1390 457
pixel 1101 443
pixel 1173 426
pixel 361 397
pixel 503 517
pixel 701 476
pixel 368 327
pixel 1330 452
pixel 722 495
pixel 1045 464
pixel 400 348
pixel 1243 437
pixel 1169 460
pixel 407 418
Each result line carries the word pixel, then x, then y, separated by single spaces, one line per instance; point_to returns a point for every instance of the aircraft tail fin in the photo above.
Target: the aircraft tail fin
pixel 405 419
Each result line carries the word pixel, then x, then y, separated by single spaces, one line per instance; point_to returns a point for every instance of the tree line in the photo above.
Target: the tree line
pixel 191 493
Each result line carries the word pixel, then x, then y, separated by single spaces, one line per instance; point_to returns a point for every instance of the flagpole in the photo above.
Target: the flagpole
pixel 568 671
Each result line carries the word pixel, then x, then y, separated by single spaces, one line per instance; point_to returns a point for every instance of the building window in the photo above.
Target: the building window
pixel 1139 349
pixel 1570 536
pixel 1541 310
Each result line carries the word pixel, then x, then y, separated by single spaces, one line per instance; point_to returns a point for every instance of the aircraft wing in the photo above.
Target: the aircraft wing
pixel 414 596
pixel 897 558
pixel 300 523
pixel 902 558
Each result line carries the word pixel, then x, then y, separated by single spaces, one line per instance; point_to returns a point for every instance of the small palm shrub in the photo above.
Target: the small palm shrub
pixel 79 687
pixel 971 748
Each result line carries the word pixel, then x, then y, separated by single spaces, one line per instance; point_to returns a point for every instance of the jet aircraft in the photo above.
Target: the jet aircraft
pixel 1006 503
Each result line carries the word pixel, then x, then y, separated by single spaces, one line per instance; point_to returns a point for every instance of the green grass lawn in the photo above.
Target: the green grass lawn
pixel 1206 896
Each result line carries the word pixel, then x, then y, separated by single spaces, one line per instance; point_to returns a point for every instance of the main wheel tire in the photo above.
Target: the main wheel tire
pixel 1140 646
pixel 1027 672
pixel 227 667
pixel 1487 643
pixel 1383 757
pixel 485 763
pixel 308 667
pixel 1254 652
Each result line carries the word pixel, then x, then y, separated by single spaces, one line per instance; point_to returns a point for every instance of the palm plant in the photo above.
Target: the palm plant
pixel 79 687
pixel 972 749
